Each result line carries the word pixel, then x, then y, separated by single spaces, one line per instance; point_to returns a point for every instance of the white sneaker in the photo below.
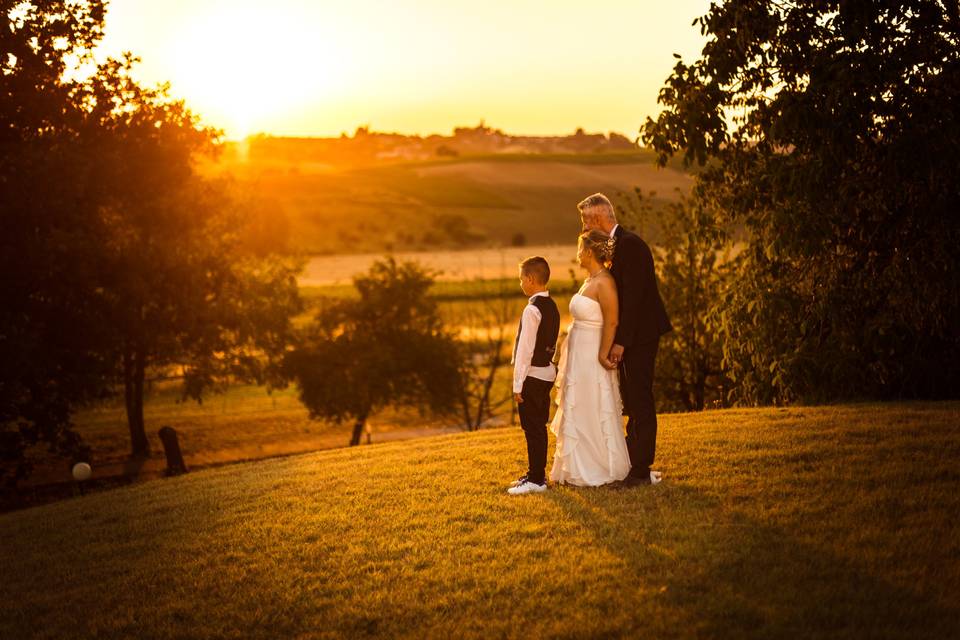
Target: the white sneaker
pixel 527 487
pixel 656 477
pixel 519 481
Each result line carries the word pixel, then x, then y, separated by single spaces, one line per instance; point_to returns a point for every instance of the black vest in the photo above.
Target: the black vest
pixel 547 332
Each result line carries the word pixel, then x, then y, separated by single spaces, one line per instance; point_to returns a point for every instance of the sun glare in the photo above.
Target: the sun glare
pixel 309 68
pixel 241 68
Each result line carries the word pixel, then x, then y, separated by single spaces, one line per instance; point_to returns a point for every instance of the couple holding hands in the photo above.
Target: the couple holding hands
pixel 606 364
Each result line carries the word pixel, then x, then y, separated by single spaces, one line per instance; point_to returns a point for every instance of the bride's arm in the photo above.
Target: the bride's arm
pixel 607 296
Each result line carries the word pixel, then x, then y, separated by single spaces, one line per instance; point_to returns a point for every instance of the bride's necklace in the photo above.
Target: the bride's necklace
pixel 595 273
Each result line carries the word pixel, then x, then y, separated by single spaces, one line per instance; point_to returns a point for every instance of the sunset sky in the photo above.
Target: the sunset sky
pixel 319 68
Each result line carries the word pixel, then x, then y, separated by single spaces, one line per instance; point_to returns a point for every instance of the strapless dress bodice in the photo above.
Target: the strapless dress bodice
pixel 585 311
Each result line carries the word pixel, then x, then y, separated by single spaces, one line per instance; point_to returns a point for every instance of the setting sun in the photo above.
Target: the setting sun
pixel 303 68
pixel 241 70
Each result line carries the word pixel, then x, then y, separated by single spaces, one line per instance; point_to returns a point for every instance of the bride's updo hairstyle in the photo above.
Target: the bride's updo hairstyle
pixel 599 244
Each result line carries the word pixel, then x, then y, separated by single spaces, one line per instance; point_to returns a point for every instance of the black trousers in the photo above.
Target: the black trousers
pixel 636 389
pixel 534 413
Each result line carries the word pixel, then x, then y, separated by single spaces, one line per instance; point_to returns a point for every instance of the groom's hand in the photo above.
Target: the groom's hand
pixel 616 354
pixel 518 398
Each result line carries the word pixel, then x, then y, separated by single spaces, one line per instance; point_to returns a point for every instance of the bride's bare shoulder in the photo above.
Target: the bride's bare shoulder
pixel 607 280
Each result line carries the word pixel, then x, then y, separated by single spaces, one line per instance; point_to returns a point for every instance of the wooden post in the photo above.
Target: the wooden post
pixel 171 447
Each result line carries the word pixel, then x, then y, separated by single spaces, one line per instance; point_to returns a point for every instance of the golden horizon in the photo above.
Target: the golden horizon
pixel 306 69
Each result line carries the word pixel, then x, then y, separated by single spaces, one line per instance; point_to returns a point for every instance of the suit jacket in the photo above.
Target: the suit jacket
pixel 643 317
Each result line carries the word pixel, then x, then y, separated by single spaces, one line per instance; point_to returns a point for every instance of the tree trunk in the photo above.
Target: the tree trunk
pixel 494 364
pixel 133 375
pixel 700 393
pixel 465 406
pixel 358 428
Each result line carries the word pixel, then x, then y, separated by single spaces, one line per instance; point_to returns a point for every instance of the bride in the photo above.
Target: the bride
pixel 590 449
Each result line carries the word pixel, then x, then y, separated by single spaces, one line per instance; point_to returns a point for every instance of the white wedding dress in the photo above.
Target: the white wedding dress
pixel 591 449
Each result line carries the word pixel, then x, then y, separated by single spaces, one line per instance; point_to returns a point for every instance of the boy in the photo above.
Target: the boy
pixel 534 371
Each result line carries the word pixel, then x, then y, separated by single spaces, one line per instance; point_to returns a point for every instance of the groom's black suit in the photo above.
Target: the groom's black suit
pixel 643 319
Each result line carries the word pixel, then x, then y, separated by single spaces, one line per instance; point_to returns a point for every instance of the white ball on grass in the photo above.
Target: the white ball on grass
pixel 81 471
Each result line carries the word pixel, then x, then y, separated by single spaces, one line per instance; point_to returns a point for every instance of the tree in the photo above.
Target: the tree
pixel 386 348
pixel 694 267
pixel 118 257
pixel 182 289
pixel 829 130
pixel 484 352
pixel 50 357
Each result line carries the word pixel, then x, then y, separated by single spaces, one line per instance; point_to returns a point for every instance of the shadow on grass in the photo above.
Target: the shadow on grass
pixel 731 575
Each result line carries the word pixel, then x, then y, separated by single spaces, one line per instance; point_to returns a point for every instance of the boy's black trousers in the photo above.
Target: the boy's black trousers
pixel 534 413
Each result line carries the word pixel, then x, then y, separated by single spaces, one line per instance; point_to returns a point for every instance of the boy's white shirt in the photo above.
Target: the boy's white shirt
pixel 523 350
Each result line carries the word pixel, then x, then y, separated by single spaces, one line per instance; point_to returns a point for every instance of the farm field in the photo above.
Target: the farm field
pixel 459 267
pixel 486 201
pixel 812 522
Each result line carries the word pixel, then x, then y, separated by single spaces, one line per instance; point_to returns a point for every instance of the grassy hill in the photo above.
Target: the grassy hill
pixel 463 202
pixel 811 522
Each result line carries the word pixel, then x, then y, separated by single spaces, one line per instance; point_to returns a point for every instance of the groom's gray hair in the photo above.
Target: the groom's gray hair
pixel 599 200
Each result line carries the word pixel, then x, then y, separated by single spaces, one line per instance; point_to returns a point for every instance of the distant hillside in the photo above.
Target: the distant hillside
pixel 474 201
pixel 366 147
pixel 810 522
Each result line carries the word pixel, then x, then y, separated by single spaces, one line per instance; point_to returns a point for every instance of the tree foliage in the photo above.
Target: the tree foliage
pixel 695 263
pixel 118 257
pixel 50 357
pixel 386 348
pixel 183 290
pixel 830 131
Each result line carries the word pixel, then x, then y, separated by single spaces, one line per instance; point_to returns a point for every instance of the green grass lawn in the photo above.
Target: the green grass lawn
pixel 244 423
pixel 812 522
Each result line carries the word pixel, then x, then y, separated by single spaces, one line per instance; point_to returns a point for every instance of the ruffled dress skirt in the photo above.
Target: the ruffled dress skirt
pixel 591 449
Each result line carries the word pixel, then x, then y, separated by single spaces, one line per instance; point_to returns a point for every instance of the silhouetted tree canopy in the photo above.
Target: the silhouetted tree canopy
pixel 50 344
pixel 184 291
pixel 118 258
pixel 830 131
pixel 694 263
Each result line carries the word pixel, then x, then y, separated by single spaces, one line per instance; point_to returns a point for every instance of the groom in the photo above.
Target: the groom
pixel 642 321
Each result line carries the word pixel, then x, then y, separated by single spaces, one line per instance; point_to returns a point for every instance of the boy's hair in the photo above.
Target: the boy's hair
pixel 537 268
